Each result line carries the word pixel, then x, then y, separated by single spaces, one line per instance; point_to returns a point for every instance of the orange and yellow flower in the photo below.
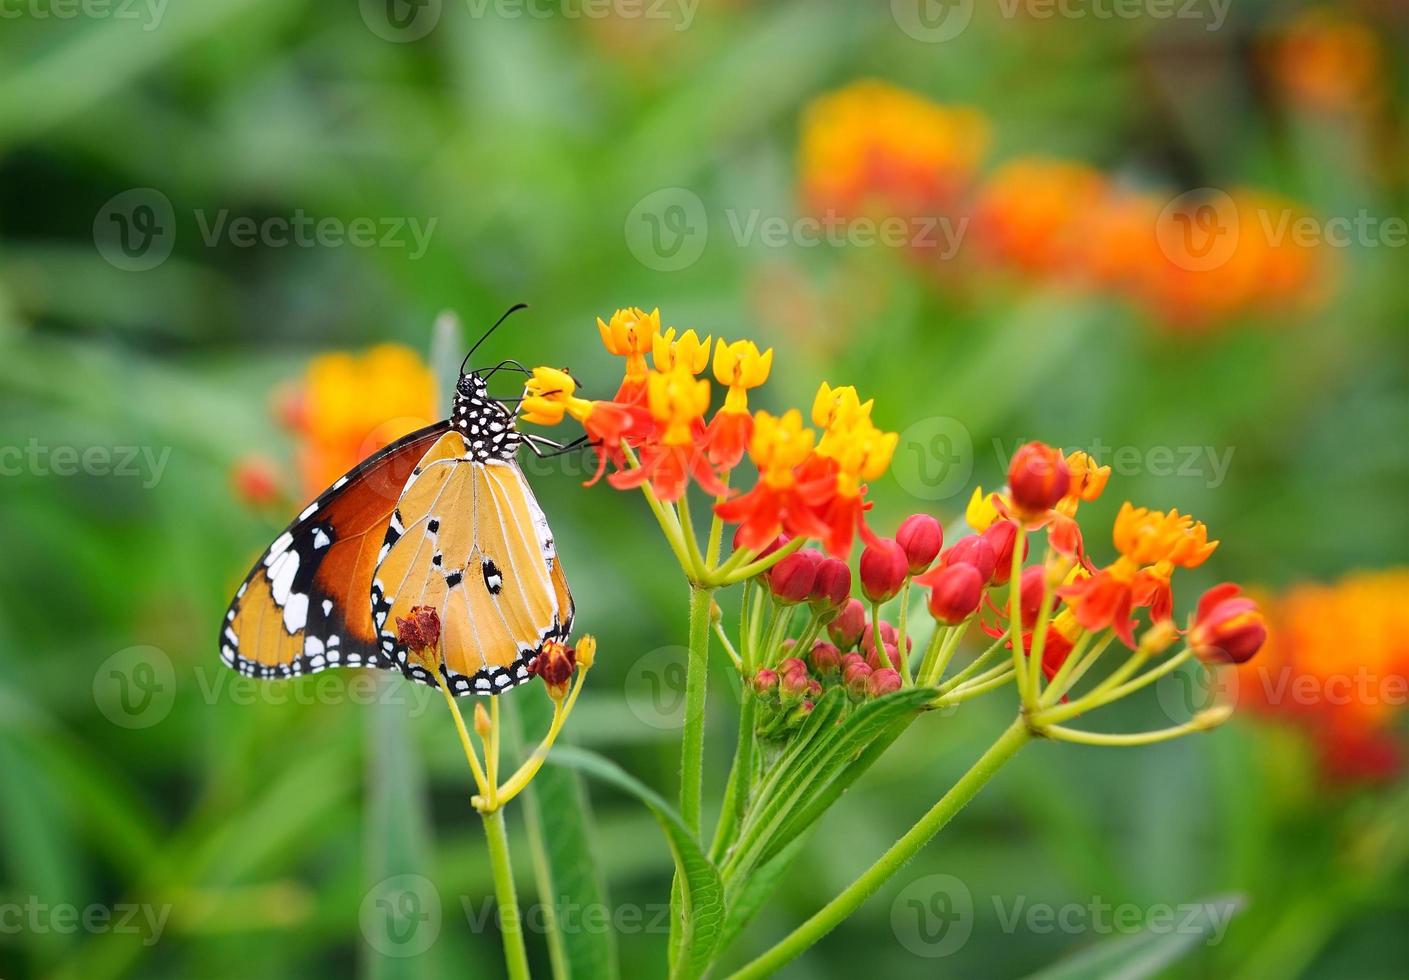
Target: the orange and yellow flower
pixel 740 367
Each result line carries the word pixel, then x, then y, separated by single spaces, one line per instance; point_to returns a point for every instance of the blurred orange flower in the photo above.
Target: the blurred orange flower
pixel 1337 665
pixel 1325 61
pixel 348 406
pixel 1031 212
pixel 873 149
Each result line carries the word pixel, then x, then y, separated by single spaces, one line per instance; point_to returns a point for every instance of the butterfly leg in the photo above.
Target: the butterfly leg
pixel 535 442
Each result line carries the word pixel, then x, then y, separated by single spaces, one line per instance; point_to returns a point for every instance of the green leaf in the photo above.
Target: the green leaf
pixel 1145 953
pixel 558 816
pixel 826 757
pixel 701 890
pixel 756 890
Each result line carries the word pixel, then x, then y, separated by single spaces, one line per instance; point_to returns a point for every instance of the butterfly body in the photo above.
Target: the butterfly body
pixel 442 518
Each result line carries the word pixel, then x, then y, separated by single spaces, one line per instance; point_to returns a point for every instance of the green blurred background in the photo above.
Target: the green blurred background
pixel 533 144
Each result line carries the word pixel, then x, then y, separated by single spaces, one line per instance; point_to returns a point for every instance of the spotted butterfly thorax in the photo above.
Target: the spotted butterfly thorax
pixel 441 518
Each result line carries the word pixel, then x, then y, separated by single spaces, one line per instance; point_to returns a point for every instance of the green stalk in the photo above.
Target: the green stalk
pixel 696 683
pixel 510 925
pixel 736 796
pixel 807 934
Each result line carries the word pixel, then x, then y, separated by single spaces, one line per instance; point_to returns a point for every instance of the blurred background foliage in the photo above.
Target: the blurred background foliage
pixel 532 143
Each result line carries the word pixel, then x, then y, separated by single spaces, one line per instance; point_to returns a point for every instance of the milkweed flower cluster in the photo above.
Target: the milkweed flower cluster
pixel 1326 61
pixel 809 624
pixel 873 150
pixel 1336 666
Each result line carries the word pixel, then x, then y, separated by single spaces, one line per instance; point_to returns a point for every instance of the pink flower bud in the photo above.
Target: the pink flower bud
pixel 921 537
pixel 832 585
pixel 793 686
pixel 956 593
pixel 892 658
pixel 765 683
pixel 826 659
pixel 884 569
pixel 1037 478
pixel 851 658
pixel 846 629
pixel 856 679
pixel 791 579
pixel 791 665
pixel 882 682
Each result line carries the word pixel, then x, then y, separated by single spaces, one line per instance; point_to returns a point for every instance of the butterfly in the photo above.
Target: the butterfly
pixel 443 518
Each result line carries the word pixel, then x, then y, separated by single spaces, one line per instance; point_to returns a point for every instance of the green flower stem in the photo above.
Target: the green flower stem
pixel 1201 722
pixel 807 934
pixel 1062 681
pixel 692 543
pixel 736 794
pixel 978 663
pixel 1015 610
pixel 1100 695
pixel 900 618
pixel 753 568
pixel 734 562
pixel 510 925
pixel 982 684
pixel 927 659
pixel 723 639
pixel 1039 642
pixel 669 523
pixel 696 683
pixel 715 540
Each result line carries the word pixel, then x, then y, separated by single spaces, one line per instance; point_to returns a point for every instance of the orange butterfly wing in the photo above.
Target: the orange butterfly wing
pixel 305 606
pixel 469 539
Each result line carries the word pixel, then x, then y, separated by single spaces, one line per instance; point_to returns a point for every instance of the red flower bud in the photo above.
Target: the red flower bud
pixel 847 628
pixel 1034 586
pixel 773 546
pixel 882 682
pixel 856 678
pixel 921 537
pixel 832 585
pixel 1037 478
pixel 884 569
pixel 975 550
pixel 956 593
pixel 825 658
pixel 868 642
pixel 765 683
pixel 1228 626
pixel 851 658
pixel 1001 536
pixel 791 579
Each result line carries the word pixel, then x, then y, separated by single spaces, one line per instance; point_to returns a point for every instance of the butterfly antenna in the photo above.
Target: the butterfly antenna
pixel 513 309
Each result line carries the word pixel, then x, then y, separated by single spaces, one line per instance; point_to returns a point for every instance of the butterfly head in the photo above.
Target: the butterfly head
pixel 485 423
